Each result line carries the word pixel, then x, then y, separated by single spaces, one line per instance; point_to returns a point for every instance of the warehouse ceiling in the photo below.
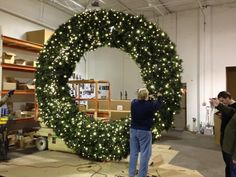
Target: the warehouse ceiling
pixel 149 8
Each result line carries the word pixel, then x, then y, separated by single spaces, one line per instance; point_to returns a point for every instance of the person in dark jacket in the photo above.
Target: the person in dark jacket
pixel 5 98
pixel 3 134
pixel 229 143
pixel 225 98
pixel 142 115
pixel 229 139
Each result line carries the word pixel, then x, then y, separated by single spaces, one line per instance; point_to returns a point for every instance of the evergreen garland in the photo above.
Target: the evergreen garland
pixel 147 45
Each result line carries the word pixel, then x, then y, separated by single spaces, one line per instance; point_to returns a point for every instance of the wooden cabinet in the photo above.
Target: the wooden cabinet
pixel 21 73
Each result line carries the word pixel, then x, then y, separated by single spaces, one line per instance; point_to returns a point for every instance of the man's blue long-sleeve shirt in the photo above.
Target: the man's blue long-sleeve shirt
pixel 143 112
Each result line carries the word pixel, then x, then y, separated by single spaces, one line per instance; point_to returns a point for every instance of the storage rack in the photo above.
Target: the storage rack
pixel 97 113
pixel 19 124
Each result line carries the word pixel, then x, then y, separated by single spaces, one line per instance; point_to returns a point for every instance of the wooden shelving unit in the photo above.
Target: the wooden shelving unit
pixel 96 112
pixel 21 44
pixel 25 46
pixel 18 67
pixel 20 92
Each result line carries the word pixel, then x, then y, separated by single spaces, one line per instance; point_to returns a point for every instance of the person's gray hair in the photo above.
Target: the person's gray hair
pixel 143 94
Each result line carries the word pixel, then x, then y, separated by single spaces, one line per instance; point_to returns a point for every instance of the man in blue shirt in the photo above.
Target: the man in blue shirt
pixel 142 115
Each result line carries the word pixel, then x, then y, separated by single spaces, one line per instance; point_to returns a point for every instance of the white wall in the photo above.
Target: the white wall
pixel 16 18
pixel 187 48
pixel 223 45
pixel 13 15
pixel 205 49
pixel 112 65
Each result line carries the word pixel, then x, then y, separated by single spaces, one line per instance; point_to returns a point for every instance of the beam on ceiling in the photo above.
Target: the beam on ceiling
pixel 18 15
pixel 159 11
pixel 62 5
pixel 77 4
pixel 164 6
pixel 155 7
pixel 203 14
pixel 201 7
pixel 171 3
pixel 125 6
pixel 50 3
pixel 67 6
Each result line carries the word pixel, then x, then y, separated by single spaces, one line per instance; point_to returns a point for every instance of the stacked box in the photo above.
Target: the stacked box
pixel 8 57
pixel 39 36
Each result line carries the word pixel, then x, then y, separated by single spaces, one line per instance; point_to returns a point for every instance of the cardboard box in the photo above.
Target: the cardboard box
pixel 10 79
pixel 217 124
pixel 208 131
pixel 81 107
pixel 19 62
pixel 119 107
pixel 9 86
pixel 126 104
pixel 21 86
pixel 30 86
pixel 8 57
pixel 30 63
pixel 91 104
pixel 24 114
pixel 39 36
pixel 103 104
pixel 29 106
pixel 116 115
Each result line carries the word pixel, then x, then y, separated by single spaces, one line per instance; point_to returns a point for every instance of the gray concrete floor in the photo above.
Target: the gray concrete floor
pixel 196 151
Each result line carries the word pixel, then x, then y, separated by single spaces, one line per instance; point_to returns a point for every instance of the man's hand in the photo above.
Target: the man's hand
pixel 151 97
pixel 10 93
pixel 214 102
pixel 234 162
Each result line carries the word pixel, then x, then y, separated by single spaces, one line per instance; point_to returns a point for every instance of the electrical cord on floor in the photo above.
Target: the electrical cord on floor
pixel 79 169
pixel 97 172
pixel 88 165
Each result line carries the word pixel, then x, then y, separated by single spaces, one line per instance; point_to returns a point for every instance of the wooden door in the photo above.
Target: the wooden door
pixel 231 80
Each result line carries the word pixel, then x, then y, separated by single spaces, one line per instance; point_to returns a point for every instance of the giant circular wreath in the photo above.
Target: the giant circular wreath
pixel 147 45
